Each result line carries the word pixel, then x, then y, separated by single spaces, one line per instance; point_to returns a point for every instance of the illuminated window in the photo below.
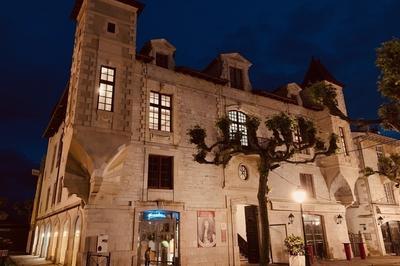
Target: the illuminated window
pixel 160 174
pixel 160 112
pixel 298 139
pixel 236 77
pixel 307 183
pixel 238 124
pixel 343 141
pixel 106 89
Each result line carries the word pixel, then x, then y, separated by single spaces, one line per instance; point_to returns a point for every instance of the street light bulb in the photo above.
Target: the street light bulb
pixel 299 195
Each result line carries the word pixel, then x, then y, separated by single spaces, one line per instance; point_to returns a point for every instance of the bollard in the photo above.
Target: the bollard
pixel 362 251
pixel 347 250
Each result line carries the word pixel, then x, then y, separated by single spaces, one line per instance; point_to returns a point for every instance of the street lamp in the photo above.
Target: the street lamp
pixel 299 195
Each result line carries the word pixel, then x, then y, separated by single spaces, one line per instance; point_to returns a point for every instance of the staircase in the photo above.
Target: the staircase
pixel 243 248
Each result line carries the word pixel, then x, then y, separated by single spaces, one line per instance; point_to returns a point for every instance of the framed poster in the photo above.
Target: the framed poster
pixel 206 236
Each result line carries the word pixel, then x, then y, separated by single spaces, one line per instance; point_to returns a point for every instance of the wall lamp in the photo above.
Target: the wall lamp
pixel 291 218
pixel 380 220
pixel 339 219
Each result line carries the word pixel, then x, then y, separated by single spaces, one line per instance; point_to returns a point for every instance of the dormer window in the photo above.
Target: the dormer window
pixel 162 60
pixel 236 78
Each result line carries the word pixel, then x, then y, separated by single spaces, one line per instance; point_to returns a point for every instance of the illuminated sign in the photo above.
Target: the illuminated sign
pixel 159 215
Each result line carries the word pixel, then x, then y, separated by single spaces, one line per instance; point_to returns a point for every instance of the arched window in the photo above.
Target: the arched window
pixel 238 124
pixel 77 239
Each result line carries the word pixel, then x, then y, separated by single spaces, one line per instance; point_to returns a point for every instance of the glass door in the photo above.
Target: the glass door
pixel 159 238
pixel 315 234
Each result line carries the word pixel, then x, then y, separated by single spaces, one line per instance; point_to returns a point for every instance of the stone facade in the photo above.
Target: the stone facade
pixel 376 208
pixel 96 176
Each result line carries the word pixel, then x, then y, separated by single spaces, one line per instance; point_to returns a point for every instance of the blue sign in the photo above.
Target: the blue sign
pixel 159 215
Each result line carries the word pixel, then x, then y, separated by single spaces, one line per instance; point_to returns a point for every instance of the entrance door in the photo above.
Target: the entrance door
pixel 315 234
pixel 391 236
pixel 278 252
pixel 251 214
pixel 159 231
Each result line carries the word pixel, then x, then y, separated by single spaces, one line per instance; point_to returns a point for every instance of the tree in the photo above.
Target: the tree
pixel 388 62
pixel 271 152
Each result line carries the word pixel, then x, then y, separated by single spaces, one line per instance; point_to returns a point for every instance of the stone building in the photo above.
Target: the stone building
pixel 376 212
pixel 119 174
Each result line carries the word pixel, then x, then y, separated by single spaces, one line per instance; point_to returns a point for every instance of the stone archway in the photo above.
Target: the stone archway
pixel 64 242
pixel 55 240
pixel 341 191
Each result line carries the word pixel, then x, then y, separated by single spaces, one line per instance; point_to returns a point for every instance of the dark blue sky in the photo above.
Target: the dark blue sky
pixel 279 37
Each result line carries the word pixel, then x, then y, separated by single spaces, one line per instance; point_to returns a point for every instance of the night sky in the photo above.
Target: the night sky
pixel 278 37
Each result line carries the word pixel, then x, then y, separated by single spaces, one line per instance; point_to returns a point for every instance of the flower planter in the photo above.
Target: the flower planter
pixel 297 260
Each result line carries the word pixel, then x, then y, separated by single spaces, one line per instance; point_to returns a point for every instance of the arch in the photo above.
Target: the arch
pixel 341 191
pixel 35 240
pixel 116 161
pixel 64 242
pixel 46 240
pixel 77 239
pixel 40 241
pixel 54 240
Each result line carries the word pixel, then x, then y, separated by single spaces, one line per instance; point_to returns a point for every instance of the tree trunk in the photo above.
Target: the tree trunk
pixel 263 213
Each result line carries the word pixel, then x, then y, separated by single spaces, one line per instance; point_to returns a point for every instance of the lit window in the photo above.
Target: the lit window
pixel 160 174
pixel 106 89
pixel 307 183
pixel 343 141
pixel 238 124
pixel 236 77
pixel 160 112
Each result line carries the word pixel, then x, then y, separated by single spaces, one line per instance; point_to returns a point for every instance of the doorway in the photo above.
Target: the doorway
pixel 315 235
pixel 278 233
pixel 159 232
pixel 391 237
pixel 247 232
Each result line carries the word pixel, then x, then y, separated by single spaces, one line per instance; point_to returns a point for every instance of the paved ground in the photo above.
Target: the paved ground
pixel 28 260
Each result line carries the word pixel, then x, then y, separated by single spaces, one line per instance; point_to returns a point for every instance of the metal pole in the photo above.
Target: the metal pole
pixel 304 236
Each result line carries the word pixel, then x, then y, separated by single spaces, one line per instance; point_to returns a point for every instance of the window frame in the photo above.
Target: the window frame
pixel 106 83
pixel 238 125
pixel 160 159
pixel 160 107
pixel 111 27
pixel 343 142
pixel 389 193
pixel 162 60
pixel 234 80
pixel 312 193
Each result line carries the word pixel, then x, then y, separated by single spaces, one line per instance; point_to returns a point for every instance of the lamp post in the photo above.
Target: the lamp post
pixel 299 196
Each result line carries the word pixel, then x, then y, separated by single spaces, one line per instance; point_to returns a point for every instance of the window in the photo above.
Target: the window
pixel 236 77
pixel 160 112
pixel 298 139
pixel 389 193
pixel 110 27
pixel 343 141
pixel 307 183
pixel 53 197
pixel 238 124
pixel 53 158
pixel 160 174
pixel 106 90
pixel 47 198
pixel 60 188
pixel 379 155
pixel 162 60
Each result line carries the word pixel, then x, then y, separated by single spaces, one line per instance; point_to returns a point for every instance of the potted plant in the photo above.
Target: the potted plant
pixel 295 247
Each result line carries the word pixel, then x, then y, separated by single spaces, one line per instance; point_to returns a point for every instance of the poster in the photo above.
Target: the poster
pixel 206 236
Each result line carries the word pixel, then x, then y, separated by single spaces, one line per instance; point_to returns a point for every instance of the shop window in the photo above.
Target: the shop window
pixel 307 183
pixel 238 124
pixel 106 89
pixel 160 112
pixel 236 78
pixel 160 172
